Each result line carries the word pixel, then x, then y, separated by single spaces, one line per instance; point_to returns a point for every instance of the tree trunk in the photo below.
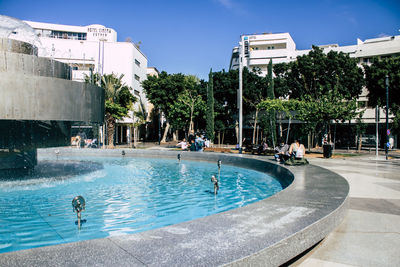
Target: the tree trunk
pixel 134 136
pixel 258 131
pixel 288 131
pixel 334 138
pixel 219 138
pixel 191 127
pixel 255 126
pixel 313 139
pixel 237 132
pixel 329 133
pixel 359 142
pixel 164 138
pixel 191 124
pixel 272 133
pixel 223 136
pixel 110 130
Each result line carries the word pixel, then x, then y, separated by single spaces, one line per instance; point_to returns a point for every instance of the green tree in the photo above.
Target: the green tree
pixel 140 119
pixel 317 114
pixel 188 105
pixel 316 72
pixel 328 84
pixel 210 108
pixel 271 95
pixel 178 96
pixel 361 127
pixel 225 85
pixel 255 89
pixel 375 81
pixel 162 92
pixel 118 100
pixel 271 91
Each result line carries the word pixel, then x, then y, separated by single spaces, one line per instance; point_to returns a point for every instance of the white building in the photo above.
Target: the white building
pixel 280 47
pixel 95 48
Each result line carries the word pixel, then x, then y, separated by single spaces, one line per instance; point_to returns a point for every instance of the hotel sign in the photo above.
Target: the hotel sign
pixel 99 32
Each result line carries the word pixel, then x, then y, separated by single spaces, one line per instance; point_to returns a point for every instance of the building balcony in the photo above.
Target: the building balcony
pixel 272 53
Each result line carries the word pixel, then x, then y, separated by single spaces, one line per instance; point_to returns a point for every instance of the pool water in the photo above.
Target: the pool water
pixel 123 196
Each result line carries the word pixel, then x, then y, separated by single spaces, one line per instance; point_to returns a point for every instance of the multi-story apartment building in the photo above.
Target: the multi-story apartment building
pixel 94 48
pixel 280 47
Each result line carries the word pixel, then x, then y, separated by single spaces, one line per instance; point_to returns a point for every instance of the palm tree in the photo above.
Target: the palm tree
pixel 141 119
pixel 118 101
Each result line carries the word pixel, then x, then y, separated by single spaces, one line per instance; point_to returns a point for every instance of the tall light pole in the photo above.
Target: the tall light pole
pixel 240 94
pixel 377 131
pixel 100 68
pixel 243 52
pixel 387 116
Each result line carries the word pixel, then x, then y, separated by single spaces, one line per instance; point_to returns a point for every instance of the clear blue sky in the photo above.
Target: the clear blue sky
pixel 194 35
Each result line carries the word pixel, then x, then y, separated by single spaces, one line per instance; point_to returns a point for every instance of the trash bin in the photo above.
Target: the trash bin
pixel 327 150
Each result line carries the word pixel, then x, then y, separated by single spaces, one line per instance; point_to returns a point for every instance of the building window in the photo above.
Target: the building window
pixel 367 60
pixel 62 35
pixel 362 104
pixel 137 78
pixel 137 62
pixel 136 92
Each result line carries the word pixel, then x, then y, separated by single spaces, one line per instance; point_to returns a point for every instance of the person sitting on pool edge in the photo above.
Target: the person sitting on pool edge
pixel 184 145
pixel 282 151
pixel 297 150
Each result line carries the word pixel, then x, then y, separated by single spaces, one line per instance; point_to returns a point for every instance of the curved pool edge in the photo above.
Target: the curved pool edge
pixel 269 232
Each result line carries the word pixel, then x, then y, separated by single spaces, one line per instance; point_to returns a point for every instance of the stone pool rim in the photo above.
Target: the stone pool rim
pixel 269 232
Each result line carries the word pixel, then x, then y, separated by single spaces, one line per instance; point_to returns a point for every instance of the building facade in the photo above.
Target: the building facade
pixel 280 48
pixel 94 48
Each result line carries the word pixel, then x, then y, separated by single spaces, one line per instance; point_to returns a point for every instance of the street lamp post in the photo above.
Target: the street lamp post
pixel 387 116
pixel 377 131
pixel 240 94
pixel 159 126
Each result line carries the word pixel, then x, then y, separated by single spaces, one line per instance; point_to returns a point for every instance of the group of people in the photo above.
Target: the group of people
pixel 284 152
pixel 195 143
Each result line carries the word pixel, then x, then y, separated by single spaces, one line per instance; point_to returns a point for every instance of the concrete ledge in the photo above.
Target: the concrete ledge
pixel 218 149
pixel 266 233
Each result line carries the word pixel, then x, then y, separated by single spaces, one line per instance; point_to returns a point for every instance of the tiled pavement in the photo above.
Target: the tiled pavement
pixel 370 233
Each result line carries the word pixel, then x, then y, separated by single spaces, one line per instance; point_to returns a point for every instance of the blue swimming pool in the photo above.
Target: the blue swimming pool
pixel 123 196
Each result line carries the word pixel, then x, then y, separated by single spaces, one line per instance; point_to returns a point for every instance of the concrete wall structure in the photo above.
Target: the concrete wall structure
pixel 34 88
pixel 38 103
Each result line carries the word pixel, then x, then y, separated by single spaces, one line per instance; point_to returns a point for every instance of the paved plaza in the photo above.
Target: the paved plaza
pixel 370 232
